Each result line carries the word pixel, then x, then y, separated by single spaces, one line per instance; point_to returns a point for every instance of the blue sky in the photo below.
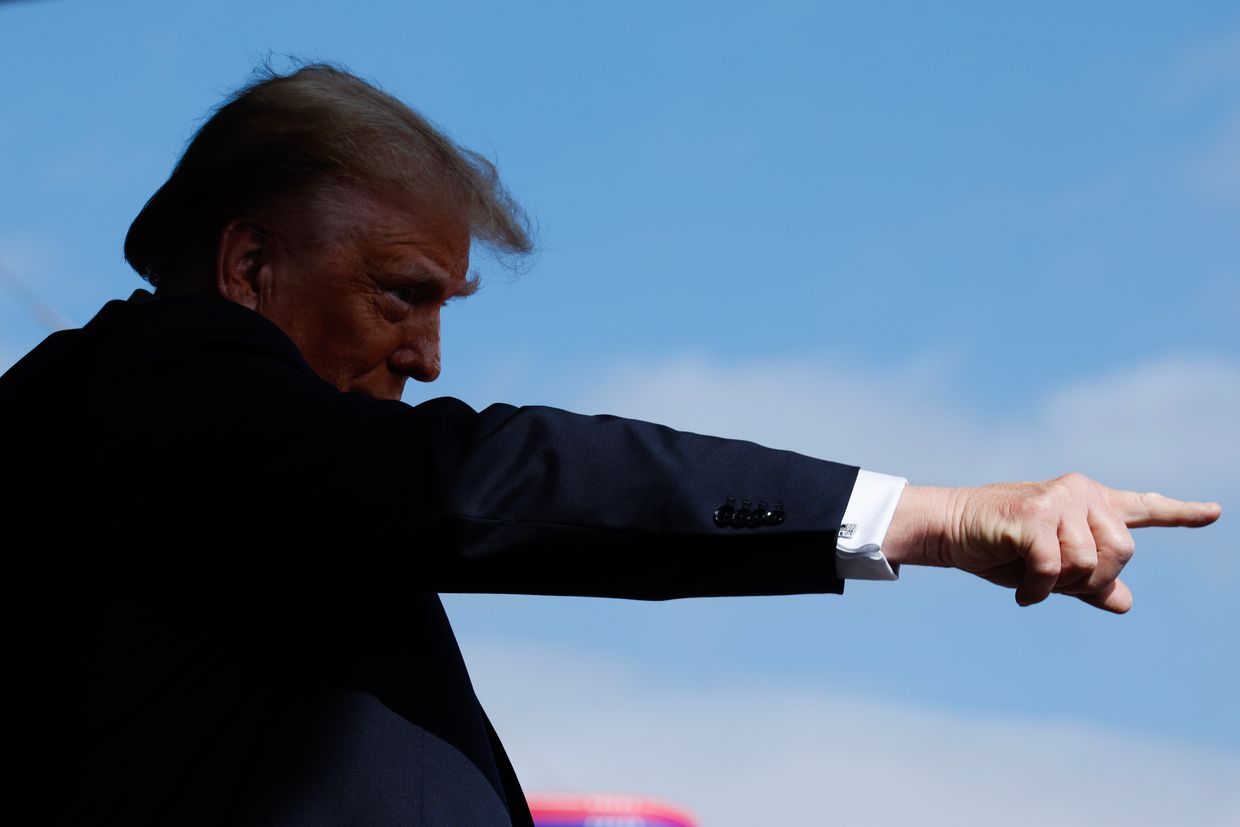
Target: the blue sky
pixel 963 243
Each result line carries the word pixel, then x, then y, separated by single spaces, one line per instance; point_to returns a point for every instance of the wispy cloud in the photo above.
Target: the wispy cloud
pixel 750 754
pixel 1167 423
pixel 26 266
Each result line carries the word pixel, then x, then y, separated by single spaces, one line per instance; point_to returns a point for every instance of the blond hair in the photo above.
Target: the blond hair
pixel 299 135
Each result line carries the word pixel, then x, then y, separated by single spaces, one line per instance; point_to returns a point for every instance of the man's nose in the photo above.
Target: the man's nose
pixel 419 357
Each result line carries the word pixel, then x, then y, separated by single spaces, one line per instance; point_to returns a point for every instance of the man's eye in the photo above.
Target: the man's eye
pixel 403 294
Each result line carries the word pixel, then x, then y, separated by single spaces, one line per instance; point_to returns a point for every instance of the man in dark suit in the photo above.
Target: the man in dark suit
pixel 240 623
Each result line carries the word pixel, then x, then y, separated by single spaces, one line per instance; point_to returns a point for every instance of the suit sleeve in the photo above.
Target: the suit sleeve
pixel 537 500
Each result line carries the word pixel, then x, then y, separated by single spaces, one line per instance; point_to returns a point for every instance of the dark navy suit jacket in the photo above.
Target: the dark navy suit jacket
pixel 224 572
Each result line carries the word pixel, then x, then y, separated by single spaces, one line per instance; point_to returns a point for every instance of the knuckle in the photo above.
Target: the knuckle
pixel 1083 563
pixel 1073 572
pixel 1078 555
pixel 1075 478
pixel 1045 566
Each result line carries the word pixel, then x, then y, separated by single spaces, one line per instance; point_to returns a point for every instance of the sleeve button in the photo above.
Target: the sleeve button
pixel 741 518
pixel 775 516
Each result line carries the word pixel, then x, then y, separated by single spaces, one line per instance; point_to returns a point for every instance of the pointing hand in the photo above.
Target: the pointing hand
pixel 1068 535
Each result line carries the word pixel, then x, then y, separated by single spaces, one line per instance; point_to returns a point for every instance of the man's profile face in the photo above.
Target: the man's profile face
pixel 364 310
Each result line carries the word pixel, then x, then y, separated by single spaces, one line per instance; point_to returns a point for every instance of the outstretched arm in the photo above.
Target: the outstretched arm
pixel 1068 535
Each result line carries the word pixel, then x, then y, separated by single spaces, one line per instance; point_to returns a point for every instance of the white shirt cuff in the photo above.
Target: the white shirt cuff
pixel 859 543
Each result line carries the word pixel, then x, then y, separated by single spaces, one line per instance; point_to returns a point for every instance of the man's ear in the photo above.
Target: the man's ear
pixel 243 262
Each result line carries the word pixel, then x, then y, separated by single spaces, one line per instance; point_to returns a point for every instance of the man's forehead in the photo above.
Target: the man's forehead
pixel 399 233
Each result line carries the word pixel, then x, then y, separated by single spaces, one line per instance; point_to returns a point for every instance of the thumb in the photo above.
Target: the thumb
pixel 1115 597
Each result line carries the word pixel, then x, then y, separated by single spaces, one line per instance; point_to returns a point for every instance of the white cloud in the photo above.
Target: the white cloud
pixel 742 755
pixel 1168 423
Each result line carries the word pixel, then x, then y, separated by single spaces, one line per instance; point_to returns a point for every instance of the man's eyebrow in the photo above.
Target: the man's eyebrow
pixel 429 274
pixel 470 286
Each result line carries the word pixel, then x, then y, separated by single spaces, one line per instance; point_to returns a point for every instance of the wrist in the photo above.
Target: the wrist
pixel 919 526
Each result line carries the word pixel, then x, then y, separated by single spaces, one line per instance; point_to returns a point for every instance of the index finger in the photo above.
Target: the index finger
pixel 1139 510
